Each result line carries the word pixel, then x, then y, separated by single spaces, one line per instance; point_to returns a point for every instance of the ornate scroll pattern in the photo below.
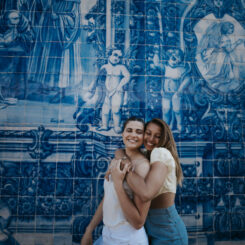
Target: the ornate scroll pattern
pixel 40 147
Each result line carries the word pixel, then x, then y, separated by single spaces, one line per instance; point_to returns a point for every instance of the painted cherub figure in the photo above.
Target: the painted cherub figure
pixel 106 92
pixel 174 86
pixel 116 77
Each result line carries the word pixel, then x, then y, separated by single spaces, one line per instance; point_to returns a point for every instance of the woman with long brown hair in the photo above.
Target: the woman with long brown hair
pixel 163 224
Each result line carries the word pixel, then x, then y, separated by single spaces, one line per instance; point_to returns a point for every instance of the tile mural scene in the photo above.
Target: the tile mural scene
pixel 71 71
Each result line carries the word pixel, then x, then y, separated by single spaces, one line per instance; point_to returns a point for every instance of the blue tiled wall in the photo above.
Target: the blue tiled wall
pixel 61 109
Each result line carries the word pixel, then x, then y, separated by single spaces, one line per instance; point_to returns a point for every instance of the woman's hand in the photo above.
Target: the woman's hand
pixel 119 171
pixel 87 238
pixel 123 161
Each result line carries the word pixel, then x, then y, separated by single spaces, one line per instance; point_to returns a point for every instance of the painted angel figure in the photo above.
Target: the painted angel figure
pixel 176 83
pixel 117 76
pixel 107 92
pixel 55 62
pixel 6 236
pixel 16 36
pixel 218 53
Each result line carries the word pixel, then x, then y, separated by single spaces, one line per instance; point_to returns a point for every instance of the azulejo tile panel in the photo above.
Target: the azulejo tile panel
pixel 61 63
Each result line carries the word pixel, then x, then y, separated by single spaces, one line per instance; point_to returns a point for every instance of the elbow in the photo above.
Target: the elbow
pixel 146 197
pixel 139 224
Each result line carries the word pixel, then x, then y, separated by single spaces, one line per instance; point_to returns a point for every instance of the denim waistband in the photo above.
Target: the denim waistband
pixel 162 211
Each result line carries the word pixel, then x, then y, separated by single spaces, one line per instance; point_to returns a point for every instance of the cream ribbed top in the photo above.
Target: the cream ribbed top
pixel 164 155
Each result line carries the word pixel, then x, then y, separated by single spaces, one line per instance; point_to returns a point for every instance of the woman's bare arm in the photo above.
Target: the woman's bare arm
pixel 97 218
pixel 119 155
pixel 146 189
pixel 135 211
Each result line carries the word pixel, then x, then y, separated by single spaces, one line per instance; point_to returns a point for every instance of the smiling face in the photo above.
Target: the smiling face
pixel 152 136
pixel 133 135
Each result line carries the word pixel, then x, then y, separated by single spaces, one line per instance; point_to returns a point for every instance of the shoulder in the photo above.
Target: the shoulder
pixel 161 152
pixel 143 167
pixel 163 155
pixel 119 153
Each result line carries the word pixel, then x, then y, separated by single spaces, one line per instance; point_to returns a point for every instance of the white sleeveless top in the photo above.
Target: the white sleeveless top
pixel 112 212
pixel 163 155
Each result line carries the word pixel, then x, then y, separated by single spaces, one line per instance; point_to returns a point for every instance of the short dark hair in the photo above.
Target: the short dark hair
pixel 133 118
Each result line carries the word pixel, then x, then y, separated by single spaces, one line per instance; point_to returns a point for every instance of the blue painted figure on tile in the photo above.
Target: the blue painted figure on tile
pixel 16 36
pixel 106 92
pixel 218 56
pixel 117 75
pixel 6 237
pixel 55 63
pixel 175 84
pixel 12 26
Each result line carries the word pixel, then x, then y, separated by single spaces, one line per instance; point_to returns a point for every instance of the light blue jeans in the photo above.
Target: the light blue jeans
pixel 164 226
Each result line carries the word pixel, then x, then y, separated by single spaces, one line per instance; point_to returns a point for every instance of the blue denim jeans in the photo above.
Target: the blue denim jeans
pixel 164 226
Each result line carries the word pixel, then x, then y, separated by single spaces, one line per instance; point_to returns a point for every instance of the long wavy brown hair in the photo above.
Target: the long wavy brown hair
pixel 167 141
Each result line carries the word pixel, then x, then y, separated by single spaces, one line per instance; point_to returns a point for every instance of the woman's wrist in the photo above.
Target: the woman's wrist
pixel 118 183
pixel 89 229
pixel 129 173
